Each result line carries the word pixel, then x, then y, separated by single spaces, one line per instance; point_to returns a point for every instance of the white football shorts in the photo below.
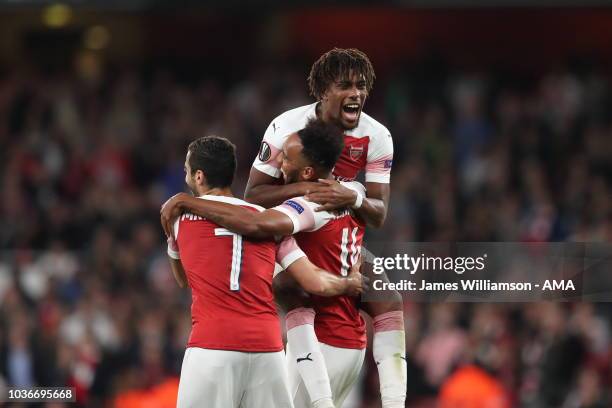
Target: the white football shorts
pixel 233 379
pixel 343 368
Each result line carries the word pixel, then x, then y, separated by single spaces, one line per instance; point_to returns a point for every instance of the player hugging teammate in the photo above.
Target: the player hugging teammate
pixel 305 173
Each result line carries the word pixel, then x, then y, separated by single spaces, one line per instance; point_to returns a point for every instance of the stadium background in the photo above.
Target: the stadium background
pixel 501 124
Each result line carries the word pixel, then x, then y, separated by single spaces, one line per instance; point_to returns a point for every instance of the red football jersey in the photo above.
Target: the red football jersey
pixel 332 242
pixel 231 282
pixel 334 248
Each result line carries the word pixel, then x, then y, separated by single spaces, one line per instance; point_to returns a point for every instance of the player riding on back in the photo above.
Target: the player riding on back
pixel 340 80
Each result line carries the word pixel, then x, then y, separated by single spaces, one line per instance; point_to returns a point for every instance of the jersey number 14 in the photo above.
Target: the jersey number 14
pixel 349 250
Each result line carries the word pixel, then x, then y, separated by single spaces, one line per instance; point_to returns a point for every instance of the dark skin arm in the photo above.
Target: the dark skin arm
pixel 333 195
pixel 178 272
pixel 237 219
pixel 268 191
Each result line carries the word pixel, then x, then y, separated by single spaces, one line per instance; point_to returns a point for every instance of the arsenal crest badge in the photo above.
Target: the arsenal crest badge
pixel 355 152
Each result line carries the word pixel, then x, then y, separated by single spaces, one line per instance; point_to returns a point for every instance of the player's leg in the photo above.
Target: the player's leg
pixel 267 383
pixel 299 393
pixel 211 378
pixel 344 366
pixel 389 345
pixel 302 343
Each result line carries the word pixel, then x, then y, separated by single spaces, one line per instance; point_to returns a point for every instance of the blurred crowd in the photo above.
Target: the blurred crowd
pixel 86 295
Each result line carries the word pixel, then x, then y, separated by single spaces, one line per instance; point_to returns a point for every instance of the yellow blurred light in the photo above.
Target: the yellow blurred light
pixel 57 15
pixel 96 38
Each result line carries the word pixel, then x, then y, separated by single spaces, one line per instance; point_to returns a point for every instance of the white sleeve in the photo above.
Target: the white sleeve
pixel 288 252
pixel 380 158
pixel 271 146
pixel 303 215
pixel 173 249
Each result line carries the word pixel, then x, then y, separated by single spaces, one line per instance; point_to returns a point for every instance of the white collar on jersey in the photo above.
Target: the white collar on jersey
pixel 230 200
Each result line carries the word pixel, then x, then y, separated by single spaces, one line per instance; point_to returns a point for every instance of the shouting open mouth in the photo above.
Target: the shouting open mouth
pixel 350 113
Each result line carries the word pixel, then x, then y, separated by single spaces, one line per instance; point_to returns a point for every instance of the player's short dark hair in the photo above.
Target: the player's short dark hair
pixel 216 157
pixel 322 144
pixel 336 64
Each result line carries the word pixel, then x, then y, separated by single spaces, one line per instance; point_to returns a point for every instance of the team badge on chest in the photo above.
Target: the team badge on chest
pixel 355 152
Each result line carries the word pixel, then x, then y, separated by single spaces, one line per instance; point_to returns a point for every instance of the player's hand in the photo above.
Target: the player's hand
pixel 357 283
pixel 308 186
pixel 169 211
pixel 331 195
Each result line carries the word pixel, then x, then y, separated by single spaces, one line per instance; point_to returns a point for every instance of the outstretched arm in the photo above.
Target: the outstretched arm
pixel 322 283
pixel 237 219
pixel 268 191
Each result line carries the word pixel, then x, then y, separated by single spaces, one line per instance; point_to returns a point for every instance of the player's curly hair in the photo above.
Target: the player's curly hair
pixel 322 144
pixel 336 64
pixel 216 157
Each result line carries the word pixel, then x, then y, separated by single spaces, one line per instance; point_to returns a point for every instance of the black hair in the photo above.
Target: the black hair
pixel 216 157
pixel 336 64
pixel 322 144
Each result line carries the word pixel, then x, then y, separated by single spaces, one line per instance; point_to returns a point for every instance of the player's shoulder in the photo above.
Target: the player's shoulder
pixel 293 119
pixel 370 126
pixel 232 200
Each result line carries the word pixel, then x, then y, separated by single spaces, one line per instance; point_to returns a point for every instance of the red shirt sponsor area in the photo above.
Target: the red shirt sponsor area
pixel 353 158
pixel 338 322
pixel 231 280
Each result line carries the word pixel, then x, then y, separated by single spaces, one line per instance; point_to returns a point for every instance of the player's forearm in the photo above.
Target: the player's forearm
pixel 232 217
pixel 330 285
pixel 323 283
pixel 374 207
pixel 178 272
pixel 237 219
pixel 316 280
pixel 268 195
pixel 373 211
